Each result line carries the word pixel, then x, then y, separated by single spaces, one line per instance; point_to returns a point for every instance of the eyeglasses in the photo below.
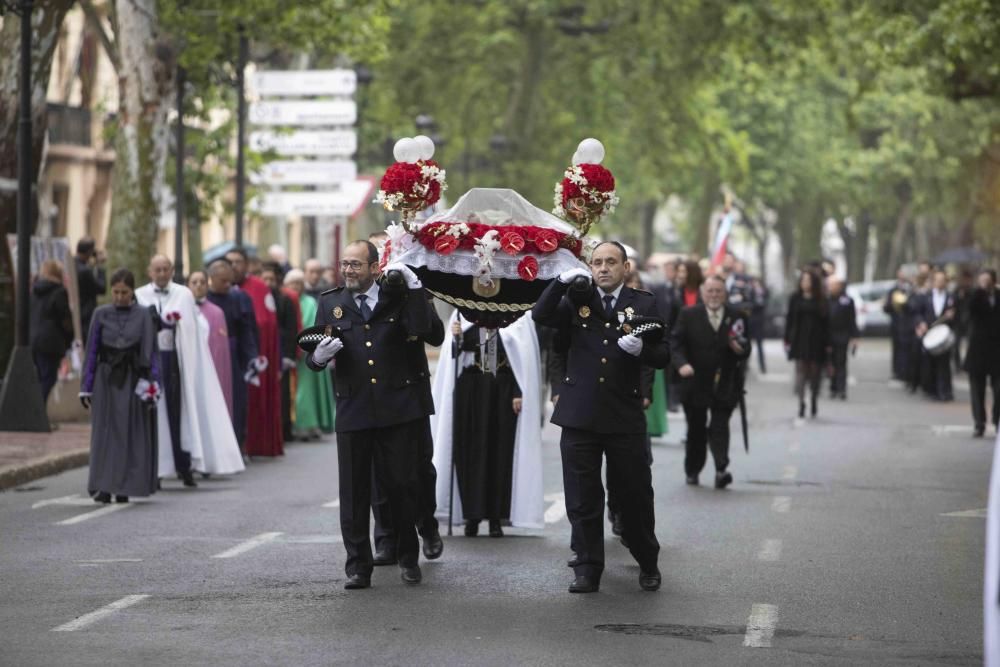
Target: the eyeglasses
pixel 355 265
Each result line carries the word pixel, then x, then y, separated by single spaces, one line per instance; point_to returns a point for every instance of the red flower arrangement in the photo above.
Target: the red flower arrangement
pixel 524 238
pixel 411 185
pixel 527 268
pixel 511 242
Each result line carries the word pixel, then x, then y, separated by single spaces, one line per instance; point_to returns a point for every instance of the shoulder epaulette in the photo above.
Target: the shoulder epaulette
pixel 335 289
pixel 642 291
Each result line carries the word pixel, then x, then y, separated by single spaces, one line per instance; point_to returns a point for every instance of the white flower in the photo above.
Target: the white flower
pixel 400 239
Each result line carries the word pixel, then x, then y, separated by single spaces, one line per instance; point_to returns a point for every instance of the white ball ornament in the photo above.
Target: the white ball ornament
pixel 576 159
pixel 425 145
pixel 406 150
pixel 591 151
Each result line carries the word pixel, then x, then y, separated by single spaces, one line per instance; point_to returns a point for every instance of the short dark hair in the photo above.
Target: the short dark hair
pixel 616 244
pixel 123 276
pixel 239 250
pixel 274 268
pixel 991 272
pixel 216 262
pixel 85 246
pixel 372 250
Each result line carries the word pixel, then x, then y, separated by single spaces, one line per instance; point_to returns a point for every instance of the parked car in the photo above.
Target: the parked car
pixel 869 299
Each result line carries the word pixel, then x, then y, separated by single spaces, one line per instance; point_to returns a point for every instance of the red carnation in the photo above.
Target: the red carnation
pixel 445 244
pixel 527 268
pixel 598 178
pixel 511 242
pixel 546 240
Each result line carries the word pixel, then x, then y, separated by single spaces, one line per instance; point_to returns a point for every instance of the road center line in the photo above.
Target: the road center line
pixel 332 503
pixel 794 447
pixel 75 499
pixel 103 612
pixel 557 510
pixel 790 472
pixel 770 550
pixel 252 543
pixel 760 626
pixel 107 509
pixel 781 504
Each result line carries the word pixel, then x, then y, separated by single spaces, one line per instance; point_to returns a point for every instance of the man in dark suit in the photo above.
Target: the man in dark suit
pixel 843 334
pixel 938 307
pixel 982 359
pixel 600 408
pixel 708 345
pixel 383 399
pixel 91 281
pixel 901 325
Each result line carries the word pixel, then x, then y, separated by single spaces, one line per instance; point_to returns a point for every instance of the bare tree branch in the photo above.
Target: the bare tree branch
pixel 107 41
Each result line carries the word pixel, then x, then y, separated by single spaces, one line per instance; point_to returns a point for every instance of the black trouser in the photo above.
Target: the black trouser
pixel 629 474
pixel 977 391
pixel 758 342
pixel 393 453
pixel 427 523
pixel 612 501
pixel 702 432
pixel 902 347
pixel 170 379
pixel 940 376
pixel 838 382
pixel 47 368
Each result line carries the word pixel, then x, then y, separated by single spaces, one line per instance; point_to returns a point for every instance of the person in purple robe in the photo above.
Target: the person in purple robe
pixel 215 330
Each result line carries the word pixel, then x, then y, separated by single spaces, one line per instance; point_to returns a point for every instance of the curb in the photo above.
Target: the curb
pixel 16 475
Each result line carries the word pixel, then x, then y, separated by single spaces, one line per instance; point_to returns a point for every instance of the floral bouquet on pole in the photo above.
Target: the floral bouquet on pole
pixel 414 181
pixel 587 191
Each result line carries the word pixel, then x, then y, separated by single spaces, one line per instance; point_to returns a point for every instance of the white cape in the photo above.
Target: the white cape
pixel 527 508
pixel 205 433
pixel 991 578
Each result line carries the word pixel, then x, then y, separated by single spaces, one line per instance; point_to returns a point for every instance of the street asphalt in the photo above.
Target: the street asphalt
pixel 853 538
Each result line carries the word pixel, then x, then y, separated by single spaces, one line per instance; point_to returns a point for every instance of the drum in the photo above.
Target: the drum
pixel 938 339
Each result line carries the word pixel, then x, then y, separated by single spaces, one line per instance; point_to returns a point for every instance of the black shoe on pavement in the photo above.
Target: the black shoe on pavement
pixel 978 432
pixel 188 479
pixel 802 409
pixel 495 529
pixel 584 584
pixel 121 499
pixel 692 480
pixel 410 575
pixel 384 557
pixel 433 546
pixel 723 479
pixel 102 497
pixel 356 581
pixel 649 581
pixel 617 525
pixel 574 561
pixel 471 528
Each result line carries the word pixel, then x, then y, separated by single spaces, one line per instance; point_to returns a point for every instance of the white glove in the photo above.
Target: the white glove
pixel 287 363
pixel 327 350
pixel 631 344
pixel 256 366
pixel 412 282
pixel 568 275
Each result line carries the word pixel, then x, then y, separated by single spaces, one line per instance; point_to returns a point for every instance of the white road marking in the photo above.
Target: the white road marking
pixel 775 378
pixel 968 514
pixel 312 539
pixel 781 504
pixel 790 472
pixel 75 500
pixel 332 503
pixel 950 429
pixel 798 422
pixel 557 510
pixel 794 447
pixel 104 561
pixel 770 550
pixel 760 625
pixel 103 612
pixel 252 543
pixel 107 509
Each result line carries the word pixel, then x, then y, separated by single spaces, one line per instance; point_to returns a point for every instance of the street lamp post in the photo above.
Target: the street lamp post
pixel 179 186
pixel 241 130
pixel 21 404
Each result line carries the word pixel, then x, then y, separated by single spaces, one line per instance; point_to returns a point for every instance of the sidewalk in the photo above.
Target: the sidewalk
pixel 25 457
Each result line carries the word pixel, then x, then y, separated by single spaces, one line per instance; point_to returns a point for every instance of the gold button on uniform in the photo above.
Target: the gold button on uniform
pixel 368 343
pixel 605 341
pixel 607 325
pixel 373 380
pixel 371 362
pixel 600 379
pixel 368 326
pixel 604 360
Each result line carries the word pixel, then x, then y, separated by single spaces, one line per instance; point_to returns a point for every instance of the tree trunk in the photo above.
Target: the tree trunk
pixel 899 235
pixel 146 83
pixel 701 213
pixel 647 246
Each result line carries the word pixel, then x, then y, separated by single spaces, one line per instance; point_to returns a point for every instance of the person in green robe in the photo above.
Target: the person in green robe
pixel 314 406
pixel 656 413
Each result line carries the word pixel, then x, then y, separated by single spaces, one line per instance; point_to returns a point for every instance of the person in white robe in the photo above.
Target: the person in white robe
pixel 991 574
pixel 208 440
pixel 527 503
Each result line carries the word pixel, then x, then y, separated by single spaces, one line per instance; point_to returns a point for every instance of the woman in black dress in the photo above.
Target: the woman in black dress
pixel 487 403
pixel 807 337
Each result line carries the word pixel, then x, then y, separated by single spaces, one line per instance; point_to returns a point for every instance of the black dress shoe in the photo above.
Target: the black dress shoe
pixel 433 546
pixel 102 497
pixel 356 581
pixel 188 479
pixel 410 575
pixel 471 528
pixel 978 432
pixel 584 584
pixel 617 525
pixel 495 529
pixel 692 480
pixel 574 561
pixel 723 479
pixel 649 581
pixel 384 557
pixel 121 499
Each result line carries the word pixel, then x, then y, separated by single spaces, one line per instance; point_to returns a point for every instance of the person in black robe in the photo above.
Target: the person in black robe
pixel 807 337
pixel 91 281
pixel 901 326
pixel 843 335
pixel 288 330
pixel 119 387
pixel 242 327
pixel 487 403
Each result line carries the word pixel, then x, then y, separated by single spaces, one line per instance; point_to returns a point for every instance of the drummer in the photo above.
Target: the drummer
pixel 938 308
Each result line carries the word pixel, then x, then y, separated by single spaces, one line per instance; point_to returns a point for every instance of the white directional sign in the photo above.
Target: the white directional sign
pixel 346 201
pixel 297 83
pixel 306 142
pixel 306 172
pixel 333 112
